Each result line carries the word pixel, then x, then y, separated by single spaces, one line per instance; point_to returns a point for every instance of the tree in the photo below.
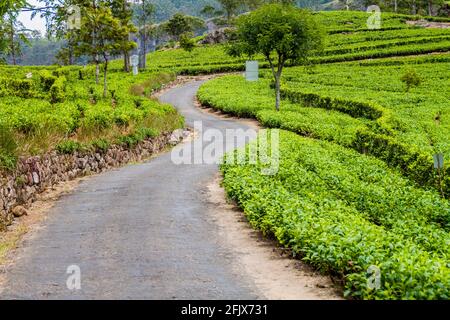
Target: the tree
pixel 411 79
pixel 178 25
pixel 181 23
pixel 16 35
pixel 101 35
pixel 186 41
pixel 230 6
pixel 208 11
pixel 281 33
pixel 121 9
pixel 11 30
pixel 144 17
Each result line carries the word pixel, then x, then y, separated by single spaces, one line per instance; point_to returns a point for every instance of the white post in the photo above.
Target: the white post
pixel 134 61
pixel 252 70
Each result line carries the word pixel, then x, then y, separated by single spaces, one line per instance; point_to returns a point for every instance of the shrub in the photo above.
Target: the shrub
pixel 187 42
pixel 344 212
pixel 8 148
pixel 70 147
pixel 101 145
pixel 47 80
pixel 58 90
pixel 411 79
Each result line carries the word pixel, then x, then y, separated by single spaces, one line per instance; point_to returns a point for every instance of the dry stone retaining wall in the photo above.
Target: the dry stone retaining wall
pixel 34 175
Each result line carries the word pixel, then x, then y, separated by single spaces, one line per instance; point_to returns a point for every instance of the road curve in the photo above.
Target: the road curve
pixel 139 232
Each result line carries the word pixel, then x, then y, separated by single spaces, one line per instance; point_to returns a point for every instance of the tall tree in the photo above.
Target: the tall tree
pixel 10 28
pixel 231 7
pixel 16 35
pixel 144 18
pixel 101 35
pixel 281 33
pixel 122 10
pixel 178 25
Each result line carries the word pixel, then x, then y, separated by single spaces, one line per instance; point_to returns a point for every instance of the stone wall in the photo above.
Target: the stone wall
pixel 34 175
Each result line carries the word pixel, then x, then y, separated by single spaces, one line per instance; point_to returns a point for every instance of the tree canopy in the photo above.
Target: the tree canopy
pixel 281 33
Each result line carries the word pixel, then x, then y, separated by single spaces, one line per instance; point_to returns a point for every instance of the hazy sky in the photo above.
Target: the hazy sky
pixel 37 23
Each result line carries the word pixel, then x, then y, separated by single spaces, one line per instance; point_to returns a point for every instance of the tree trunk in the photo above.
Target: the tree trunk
pixel 126 61
pixel 395 6
pixel 97 70
pixel 278 92
pixel 277 77
pixel 126 54
pixel 12 42
pixel 430 7
pixel 414 8
pixel 70 55
pixel 105 80
pixel 144 49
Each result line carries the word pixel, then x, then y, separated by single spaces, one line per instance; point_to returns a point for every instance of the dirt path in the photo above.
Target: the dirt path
pixel 157 231
pixel 429 24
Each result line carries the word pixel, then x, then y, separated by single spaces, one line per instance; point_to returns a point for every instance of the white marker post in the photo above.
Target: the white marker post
pixel 134 61
pixel 252 70
pixel 439 166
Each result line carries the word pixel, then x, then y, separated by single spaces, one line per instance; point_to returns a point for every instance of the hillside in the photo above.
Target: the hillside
pixel 356 186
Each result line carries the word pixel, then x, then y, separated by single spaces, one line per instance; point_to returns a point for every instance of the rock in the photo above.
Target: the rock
pixel 36 179
pixel 217 36
pixel 19 211
pixel 82 163
pixel 186 133
pixel 176 136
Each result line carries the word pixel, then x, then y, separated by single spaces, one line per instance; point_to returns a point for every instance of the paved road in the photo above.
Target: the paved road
pixel 139 232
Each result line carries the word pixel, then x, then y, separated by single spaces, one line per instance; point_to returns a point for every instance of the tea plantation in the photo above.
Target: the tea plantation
pixel 61 107
pixel 356 186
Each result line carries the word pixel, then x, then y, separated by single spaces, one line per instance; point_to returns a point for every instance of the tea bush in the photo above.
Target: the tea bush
pixel 344 212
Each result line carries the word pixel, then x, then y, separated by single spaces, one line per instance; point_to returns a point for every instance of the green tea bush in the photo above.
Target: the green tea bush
pixel 387 124
pixel 69 147
pixel 58 90
pixel 8 148
pixel 344 212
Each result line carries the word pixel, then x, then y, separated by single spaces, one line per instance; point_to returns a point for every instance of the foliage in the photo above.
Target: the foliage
pixel 101 35
pixel 187 42
pixel 8 148
pixel 288 33
pixel 343 213
pixel 75 108
pixel 178 25
pixel 411 79
pixel 398 129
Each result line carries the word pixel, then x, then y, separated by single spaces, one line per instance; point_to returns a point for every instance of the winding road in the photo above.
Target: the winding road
pixel 143 231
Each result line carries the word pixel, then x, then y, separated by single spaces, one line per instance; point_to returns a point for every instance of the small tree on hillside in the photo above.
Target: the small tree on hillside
pixel 281 33
pixel 144 16
pixel 208 11
pixel 178 25
pixel 411 79
pixel 187 42
pixel 102 35
pixel 231 7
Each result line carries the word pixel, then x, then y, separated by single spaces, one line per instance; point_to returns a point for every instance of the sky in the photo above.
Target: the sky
pixel 37 23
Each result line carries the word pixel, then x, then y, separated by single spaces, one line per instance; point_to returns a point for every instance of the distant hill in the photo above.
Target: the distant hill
pixel 167 8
